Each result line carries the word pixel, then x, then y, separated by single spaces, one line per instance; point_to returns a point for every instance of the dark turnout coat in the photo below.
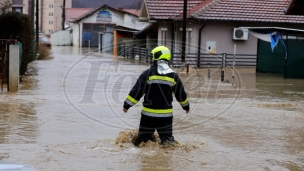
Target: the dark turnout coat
pixel 157 90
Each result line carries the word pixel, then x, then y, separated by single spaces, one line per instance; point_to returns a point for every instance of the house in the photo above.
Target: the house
pixel 103 27
pixel 215 26
pixel 213 21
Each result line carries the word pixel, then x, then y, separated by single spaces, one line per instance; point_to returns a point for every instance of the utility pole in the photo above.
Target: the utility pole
pixel 63 15
pixel 33 14
pixel 184 34
pixel 37 24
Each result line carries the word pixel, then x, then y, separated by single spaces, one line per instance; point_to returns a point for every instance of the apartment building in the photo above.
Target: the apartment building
pixel 50 12
pixel 20 6
pixel 50 15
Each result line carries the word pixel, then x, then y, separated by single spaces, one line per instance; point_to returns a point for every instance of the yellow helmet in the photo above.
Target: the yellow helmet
pixel 161 52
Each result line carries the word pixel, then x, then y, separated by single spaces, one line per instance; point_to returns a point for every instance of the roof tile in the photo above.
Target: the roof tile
pixel 167 9
pixel 233 10
pixel 250 10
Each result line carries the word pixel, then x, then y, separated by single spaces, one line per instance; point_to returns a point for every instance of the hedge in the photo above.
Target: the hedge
pixel 16 24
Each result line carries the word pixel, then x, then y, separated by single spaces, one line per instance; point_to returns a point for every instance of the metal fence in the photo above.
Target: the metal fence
pixel 4 61
pixel 193 59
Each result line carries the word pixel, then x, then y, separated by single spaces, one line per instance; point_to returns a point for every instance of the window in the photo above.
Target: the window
pixel 51 22
pixel 163 36
pixel 50 30
pixel 51 6
pixel 188 39
pixel 17 9
pixel 50 14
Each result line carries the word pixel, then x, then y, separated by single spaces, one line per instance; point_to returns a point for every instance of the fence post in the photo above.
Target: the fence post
pixel 198 60
pixel 146 54
pixel 123 50
pixel 224 60
pixel 13 80
pixel 133 52
pixel 223 66
pixel 139 55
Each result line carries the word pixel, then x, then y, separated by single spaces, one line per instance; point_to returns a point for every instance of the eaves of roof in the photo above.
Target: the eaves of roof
pixel 271 11
pixel 91 12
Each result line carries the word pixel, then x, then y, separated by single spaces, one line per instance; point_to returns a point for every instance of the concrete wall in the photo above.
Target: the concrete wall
pixel 61 38
pixel 77 37
pixel 132 21
pixel 13 68
pixel 25 7
pixel 221 33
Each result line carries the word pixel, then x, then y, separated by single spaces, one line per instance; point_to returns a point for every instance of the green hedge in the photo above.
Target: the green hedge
pixel 16 24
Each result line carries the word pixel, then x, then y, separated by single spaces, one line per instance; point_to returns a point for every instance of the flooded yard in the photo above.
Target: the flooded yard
pixel 68 115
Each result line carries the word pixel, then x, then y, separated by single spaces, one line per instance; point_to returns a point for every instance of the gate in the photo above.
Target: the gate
pixel 4 62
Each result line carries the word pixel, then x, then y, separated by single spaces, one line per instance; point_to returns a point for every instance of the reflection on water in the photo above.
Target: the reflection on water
pixel 17 123
pixel 274 86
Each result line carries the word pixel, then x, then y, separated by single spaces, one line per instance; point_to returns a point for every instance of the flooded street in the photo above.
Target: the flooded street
pixel 67 116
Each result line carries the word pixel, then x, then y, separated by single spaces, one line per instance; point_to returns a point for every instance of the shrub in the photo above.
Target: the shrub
pixel 16 24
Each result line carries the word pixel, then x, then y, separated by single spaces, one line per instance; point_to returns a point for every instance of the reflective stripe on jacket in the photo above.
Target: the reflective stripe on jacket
pixel 157 91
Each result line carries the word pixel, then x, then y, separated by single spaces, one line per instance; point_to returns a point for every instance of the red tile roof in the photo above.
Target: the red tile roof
pixel 168 9
pixel 75 13
pixel 250 10
pixel 228 10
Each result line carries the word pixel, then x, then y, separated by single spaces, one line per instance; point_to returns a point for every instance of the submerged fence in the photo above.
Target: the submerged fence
pixel 193 59
pixel 4 61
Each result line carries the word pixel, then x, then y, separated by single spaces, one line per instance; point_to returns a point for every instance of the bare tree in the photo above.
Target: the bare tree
pixel 5 5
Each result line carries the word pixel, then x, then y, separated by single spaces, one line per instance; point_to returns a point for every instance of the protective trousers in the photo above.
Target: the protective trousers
pixel 148 125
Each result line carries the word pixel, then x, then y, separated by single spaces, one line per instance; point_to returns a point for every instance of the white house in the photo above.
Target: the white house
pixel 101 26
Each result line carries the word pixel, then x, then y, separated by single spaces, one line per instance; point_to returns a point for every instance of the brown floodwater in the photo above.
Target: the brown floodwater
pixel 68 115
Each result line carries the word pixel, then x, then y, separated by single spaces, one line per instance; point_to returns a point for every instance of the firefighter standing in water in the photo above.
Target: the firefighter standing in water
pixel 157 84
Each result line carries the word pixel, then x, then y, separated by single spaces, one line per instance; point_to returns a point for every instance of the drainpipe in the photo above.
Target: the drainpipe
pixel 79 35
pixel 172 41
pixel 199 44
pixel 42 16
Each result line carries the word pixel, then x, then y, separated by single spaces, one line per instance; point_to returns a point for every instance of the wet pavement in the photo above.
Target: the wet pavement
pixel 68 115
